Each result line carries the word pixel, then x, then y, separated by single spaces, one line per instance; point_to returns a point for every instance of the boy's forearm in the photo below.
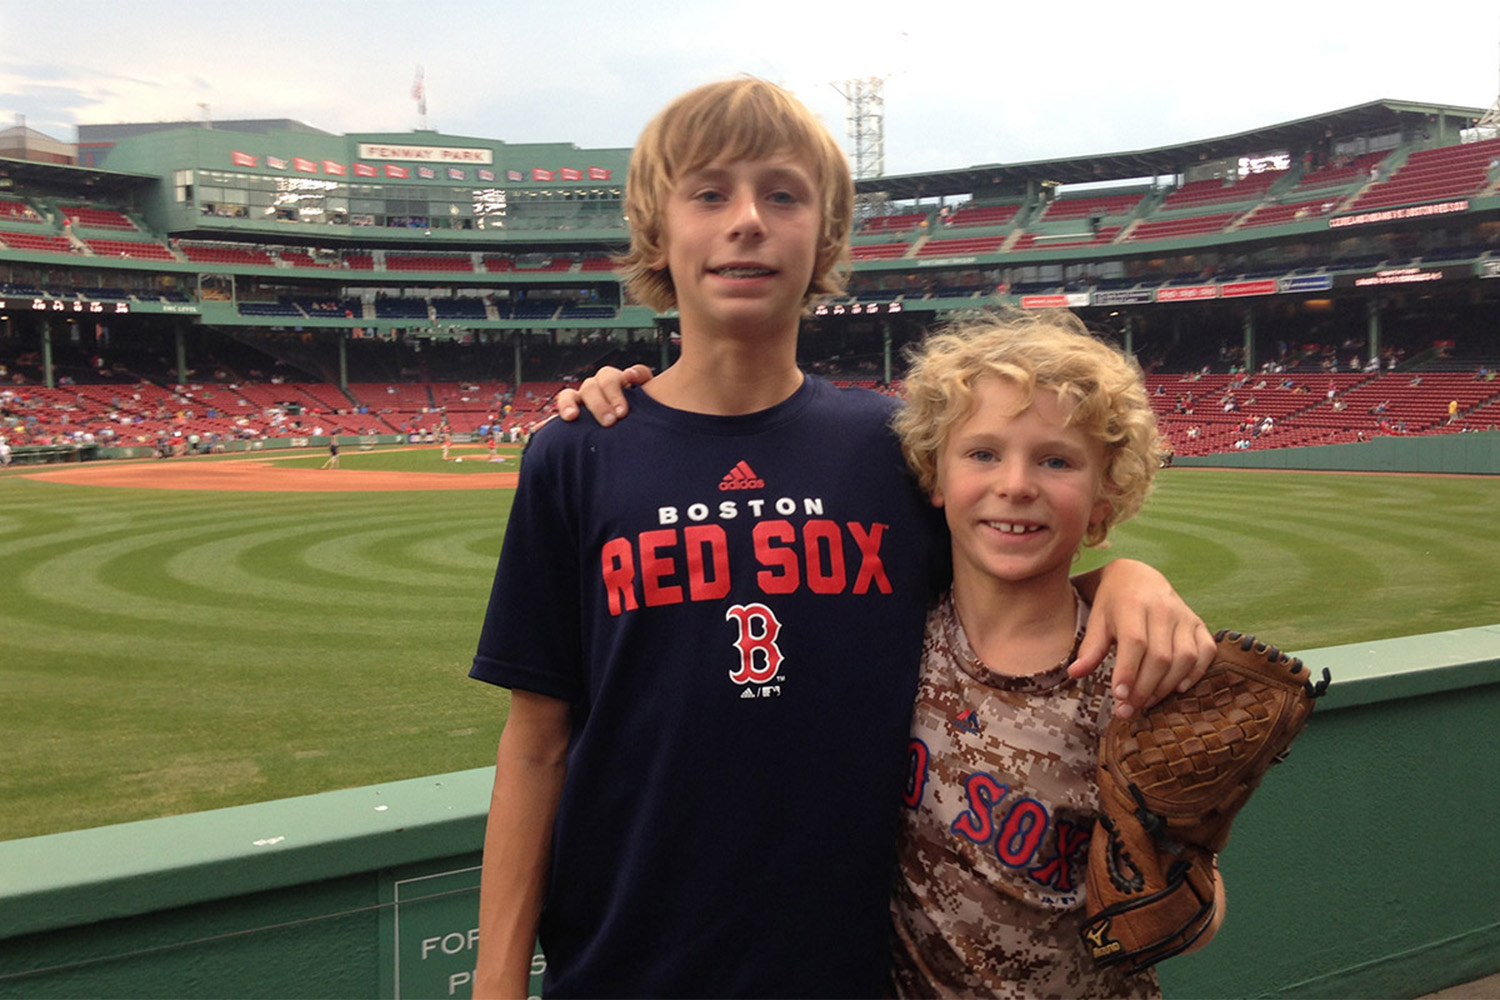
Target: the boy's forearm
pixel 529 770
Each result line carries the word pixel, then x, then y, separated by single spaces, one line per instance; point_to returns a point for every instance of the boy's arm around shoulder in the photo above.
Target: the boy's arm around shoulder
pixel 530 766
pixel 1161 644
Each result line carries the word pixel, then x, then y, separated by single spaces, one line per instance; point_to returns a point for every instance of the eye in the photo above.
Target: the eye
pixel 1057 462
pixel 983 455
pixel 784 198
pixel 709 196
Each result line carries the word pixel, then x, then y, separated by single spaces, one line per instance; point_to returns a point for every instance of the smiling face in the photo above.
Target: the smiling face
pixel 1019 487
pixel 741 242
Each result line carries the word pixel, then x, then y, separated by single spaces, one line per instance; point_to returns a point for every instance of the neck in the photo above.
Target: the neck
pixel 728 376
pixel 1017 628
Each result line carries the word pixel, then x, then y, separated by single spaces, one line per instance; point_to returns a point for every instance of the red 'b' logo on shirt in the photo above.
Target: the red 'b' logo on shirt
pixel 760 657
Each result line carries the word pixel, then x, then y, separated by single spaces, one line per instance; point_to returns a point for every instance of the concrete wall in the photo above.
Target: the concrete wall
pixel 1463 454
pixel 1366 866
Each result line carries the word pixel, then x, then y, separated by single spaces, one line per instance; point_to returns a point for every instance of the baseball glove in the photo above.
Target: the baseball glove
pixel 1171 780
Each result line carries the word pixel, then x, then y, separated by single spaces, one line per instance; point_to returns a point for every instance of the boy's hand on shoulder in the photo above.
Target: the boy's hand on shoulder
pixel 1161 644
pixel 602 393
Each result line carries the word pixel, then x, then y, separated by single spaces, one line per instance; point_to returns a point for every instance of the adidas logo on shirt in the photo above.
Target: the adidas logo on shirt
pixel 741 477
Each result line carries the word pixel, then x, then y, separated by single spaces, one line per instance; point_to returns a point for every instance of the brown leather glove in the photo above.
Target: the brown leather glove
pixel 1171 780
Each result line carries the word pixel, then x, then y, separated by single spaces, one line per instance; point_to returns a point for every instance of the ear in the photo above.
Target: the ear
pixel 937 496
pixel 1100 512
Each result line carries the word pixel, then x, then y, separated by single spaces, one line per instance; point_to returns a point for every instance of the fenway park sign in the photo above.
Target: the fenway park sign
pixel 428 154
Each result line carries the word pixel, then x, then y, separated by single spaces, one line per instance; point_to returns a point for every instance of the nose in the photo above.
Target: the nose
pixel 745 219
pixel 1013 479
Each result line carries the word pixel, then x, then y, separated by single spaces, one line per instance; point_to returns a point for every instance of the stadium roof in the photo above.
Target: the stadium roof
pixel 58 175
pixel 1375 118
pixel 255 126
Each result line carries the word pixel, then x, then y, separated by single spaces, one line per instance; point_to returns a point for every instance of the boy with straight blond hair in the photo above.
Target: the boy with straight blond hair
pixel 710 620
pixel 1034 439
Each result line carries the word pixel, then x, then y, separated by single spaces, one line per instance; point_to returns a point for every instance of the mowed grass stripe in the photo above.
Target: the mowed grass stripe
pixel 1314 560
pixel 163 651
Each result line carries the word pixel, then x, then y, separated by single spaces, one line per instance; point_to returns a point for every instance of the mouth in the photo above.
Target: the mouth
pixel 742 271
pixel 1014 527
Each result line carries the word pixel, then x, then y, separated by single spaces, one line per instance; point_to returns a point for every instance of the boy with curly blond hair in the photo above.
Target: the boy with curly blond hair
pixel 1034 439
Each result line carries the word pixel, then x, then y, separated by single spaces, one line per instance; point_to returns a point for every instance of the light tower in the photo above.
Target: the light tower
pixel 864 121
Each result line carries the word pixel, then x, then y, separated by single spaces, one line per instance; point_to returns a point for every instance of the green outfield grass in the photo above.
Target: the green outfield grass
pixel 165 651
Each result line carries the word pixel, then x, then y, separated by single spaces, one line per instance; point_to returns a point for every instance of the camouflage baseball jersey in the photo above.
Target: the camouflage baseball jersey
pixel 1000 801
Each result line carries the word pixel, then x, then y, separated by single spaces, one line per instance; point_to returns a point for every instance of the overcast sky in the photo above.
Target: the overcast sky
pixel 966 82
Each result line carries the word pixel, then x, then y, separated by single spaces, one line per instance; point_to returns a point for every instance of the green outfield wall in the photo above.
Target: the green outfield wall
pixel 1454 454
pixel 1366 866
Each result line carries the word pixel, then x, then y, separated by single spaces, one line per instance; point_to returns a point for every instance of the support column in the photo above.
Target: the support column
pixel 179 336
pixel 1372 328
pixel 343 341
pixel 1127 335
pixel 885 348
pixel 516 342
pixel 1247 323
pixel 48 378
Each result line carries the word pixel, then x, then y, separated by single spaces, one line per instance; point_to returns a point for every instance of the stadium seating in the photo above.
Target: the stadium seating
pixel 890 224
pixel 17 211
pixel 428 262
pixel 1434 174
pixel 301 258
pixel 1060 241
pixel 1196 194
pixel 879 251
pixel 221 253
pixel 92 217
pixel 971 246
pixel 1278 214
pixel 130 248
pixel 459 308
pixel 35 242
pixel 1104 206
pixel 1168 229
pixel 1341 174
pixel 982 215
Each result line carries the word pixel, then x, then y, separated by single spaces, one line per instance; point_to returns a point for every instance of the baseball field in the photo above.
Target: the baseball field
pixel 194 633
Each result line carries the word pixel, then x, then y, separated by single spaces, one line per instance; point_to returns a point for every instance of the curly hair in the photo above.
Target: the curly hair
pixel 1101 387
pixel 734 120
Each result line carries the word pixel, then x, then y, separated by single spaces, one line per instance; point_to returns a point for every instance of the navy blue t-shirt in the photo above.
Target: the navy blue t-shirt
pixel 734 607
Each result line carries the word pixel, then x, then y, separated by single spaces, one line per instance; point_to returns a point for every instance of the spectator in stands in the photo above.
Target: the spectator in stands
pixel 740 204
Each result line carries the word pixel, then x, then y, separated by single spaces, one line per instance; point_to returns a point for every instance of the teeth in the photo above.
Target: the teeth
pixel 1010 528
pixel 742 272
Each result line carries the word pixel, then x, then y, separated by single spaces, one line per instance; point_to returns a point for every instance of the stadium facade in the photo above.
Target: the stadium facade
pixel 1356 240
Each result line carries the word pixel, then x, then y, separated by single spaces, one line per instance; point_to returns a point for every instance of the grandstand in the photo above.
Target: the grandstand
pixel 1316 281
